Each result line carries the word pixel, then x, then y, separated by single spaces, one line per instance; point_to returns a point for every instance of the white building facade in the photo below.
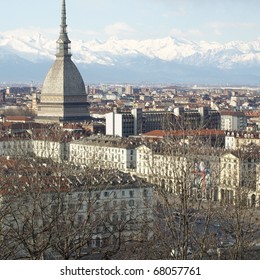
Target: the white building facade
pixel 235 140
pixel 108 153
pixel 239 178
pixel 232 121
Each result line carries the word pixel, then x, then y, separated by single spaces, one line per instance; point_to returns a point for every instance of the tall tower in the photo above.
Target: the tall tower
pixel 63 95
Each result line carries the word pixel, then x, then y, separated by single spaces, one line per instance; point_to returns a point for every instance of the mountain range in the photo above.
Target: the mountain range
pixel 166 60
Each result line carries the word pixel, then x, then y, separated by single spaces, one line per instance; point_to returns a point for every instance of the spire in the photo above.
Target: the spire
pixel 63 43
pixel 63 26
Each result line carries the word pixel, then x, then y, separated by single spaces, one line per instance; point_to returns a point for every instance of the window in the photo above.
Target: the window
pixel 115 204
pixel 82 203
pixel 114 218
pixel 123 216
pixel 123 204
pixel 54 197
pixel 54 209
pixel 131 193
pixel 71 206
pixel 80 196
pixel 106 205
pixel 80 219
pixel 97 205
pixel 145 215
pixel 131 203
pixel 106 194
pixel 63 207
pixel 99 229
pixel 98 242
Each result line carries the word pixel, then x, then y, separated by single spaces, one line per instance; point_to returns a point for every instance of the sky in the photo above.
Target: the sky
pixel 197 20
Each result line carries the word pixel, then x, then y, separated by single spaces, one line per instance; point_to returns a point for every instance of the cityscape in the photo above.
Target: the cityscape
pixel 149 167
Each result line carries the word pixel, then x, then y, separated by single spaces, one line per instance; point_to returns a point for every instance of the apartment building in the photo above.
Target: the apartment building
pixel 233 121
pixel 239 177
pixel 55 150
pixel 212 137
pixel 159 168
pixel 120 124
pixel 95 211
pixel 176 168
pixel 206 172
pixel 197 118
pixel 126 124
pixel 2 96
pixel 104 152
pixel 237 139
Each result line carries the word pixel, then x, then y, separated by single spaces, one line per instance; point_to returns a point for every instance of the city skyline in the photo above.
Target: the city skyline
pixel 134 147
pixel 221 21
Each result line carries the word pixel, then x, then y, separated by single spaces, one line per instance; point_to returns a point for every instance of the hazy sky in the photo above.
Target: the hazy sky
pixel 209 20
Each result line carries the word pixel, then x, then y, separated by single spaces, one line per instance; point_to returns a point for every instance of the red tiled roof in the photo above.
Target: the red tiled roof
pixel 232 113
pixel 252 114
pixel 201 132
pixel 18 118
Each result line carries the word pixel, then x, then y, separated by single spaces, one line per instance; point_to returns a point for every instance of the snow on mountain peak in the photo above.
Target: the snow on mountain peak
pixel 34 46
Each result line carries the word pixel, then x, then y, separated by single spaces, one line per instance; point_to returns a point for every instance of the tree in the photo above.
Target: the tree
pixel 54 210
pixel 238 214
pixel 187 175
pixel 194 206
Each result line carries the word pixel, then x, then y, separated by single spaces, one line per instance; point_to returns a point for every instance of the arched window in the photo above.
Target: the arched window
pixel 163 183
pixel 131 203
pixel 253 200
pixel 98 242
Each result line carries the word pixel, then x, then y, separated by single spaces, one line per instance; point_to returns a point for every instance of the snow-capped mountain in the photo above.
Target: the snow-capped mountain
pixel 167 59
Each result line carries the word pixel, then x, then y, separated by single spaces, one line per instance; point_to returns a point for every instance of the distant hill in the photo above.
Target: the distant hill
pixel 166 60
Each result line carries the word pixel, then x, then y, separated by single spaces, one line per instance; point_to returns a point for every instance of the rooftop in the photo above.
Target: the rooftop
pixel 232 113
pixel 109 141
pixel 178 133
